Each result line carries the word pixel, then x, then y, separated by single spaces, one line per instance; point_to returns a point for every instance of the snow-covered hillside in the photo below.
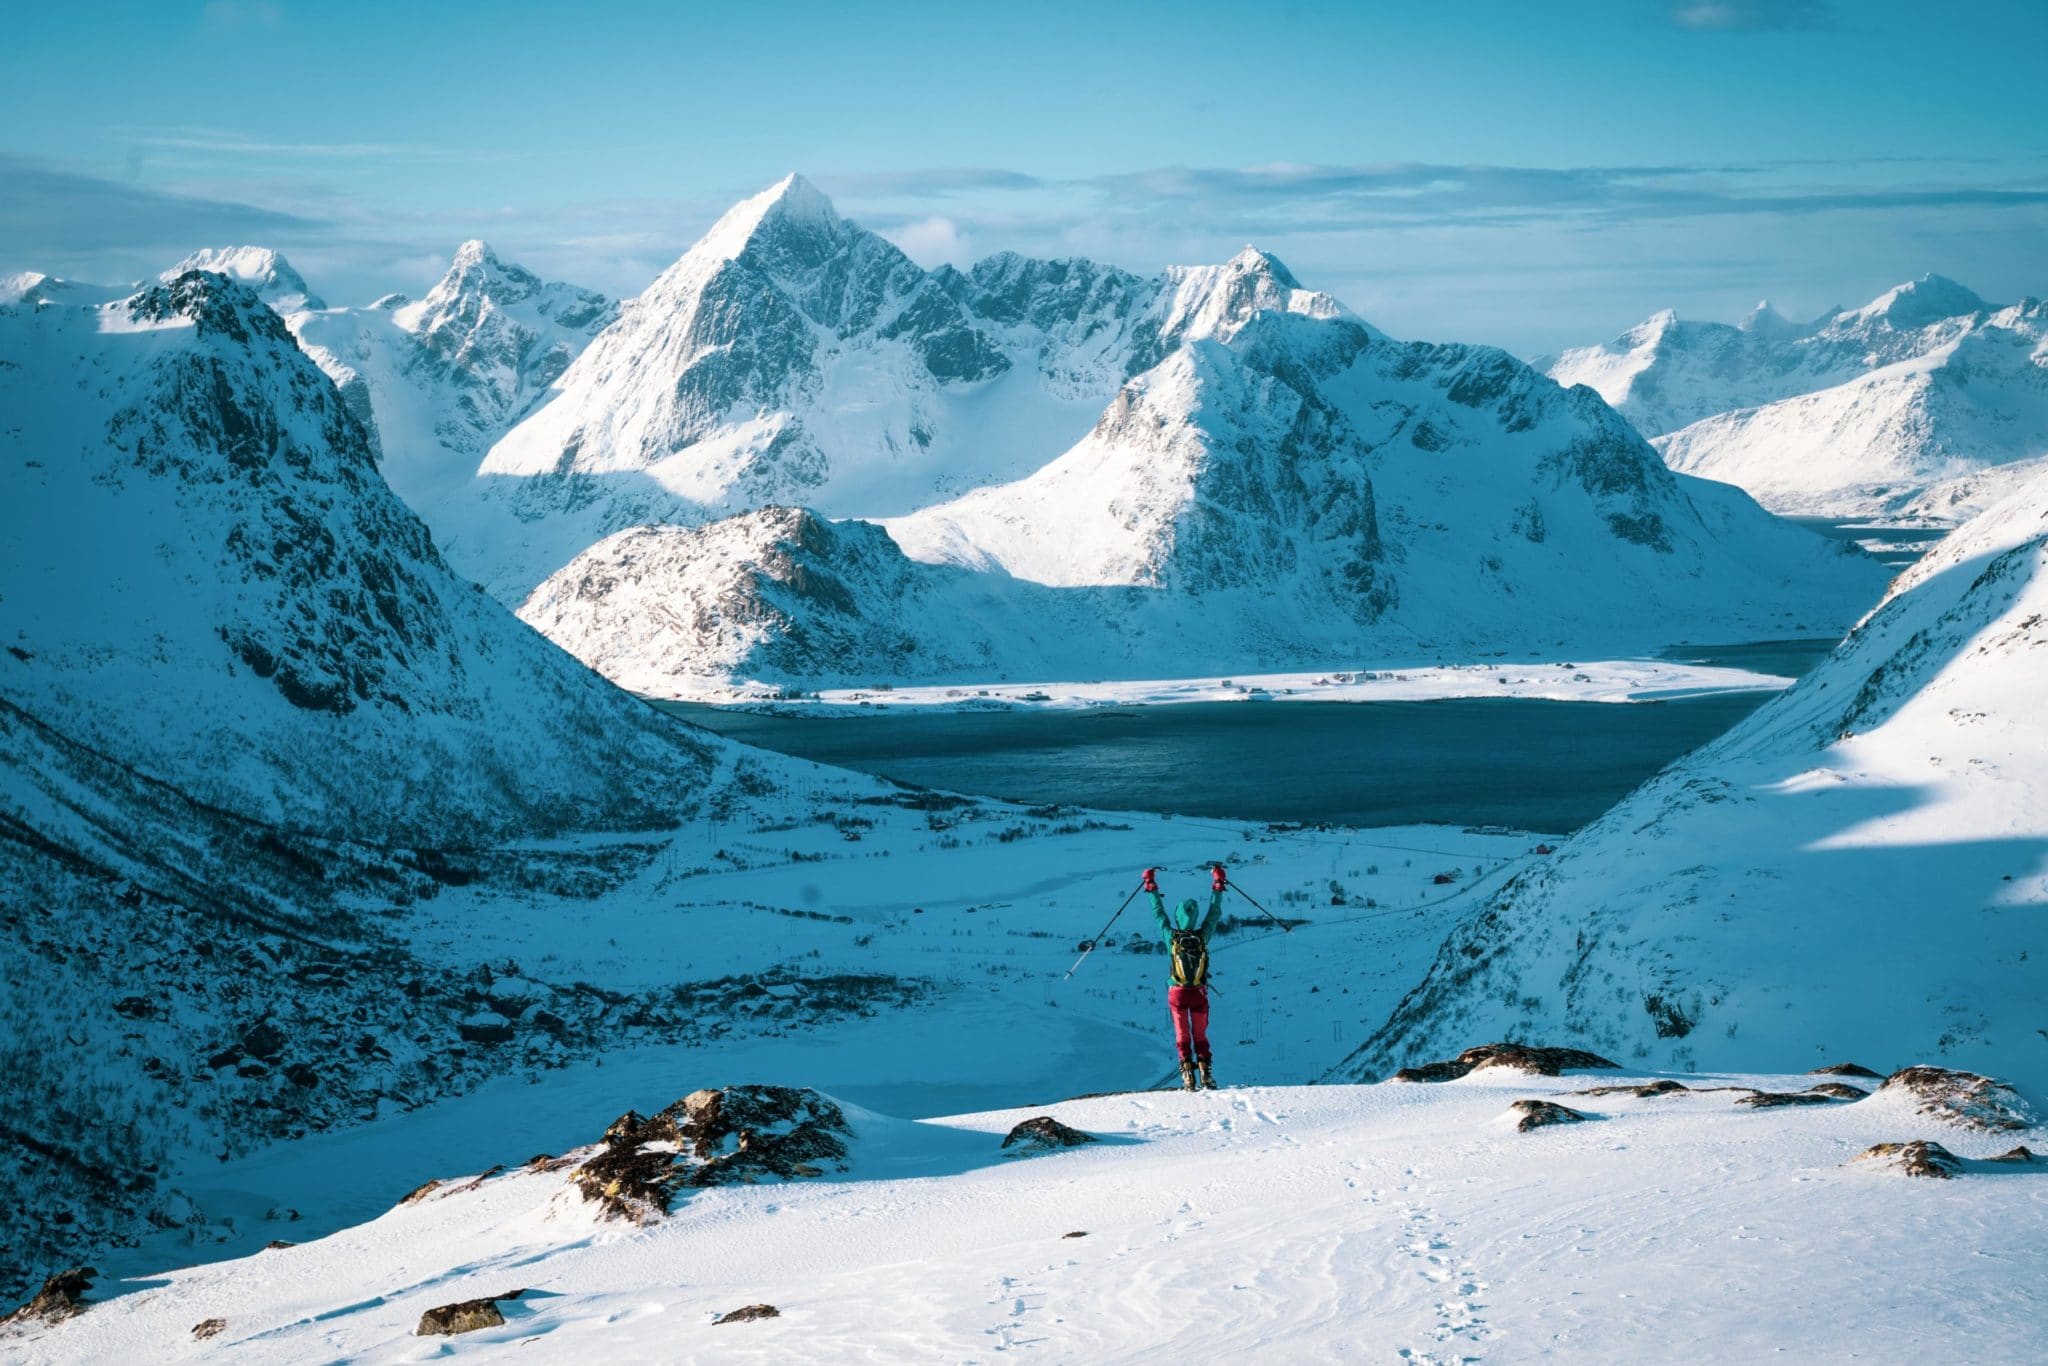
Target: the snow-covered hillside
pixel 1875 444
pixel 1303 492
pixel 793 357
pixel 1413 1222
pixel 1862 864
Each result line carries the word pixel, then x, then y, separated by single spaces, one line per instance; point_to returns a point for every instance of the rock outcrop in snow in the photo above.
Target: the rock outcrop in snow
pixel 1758 897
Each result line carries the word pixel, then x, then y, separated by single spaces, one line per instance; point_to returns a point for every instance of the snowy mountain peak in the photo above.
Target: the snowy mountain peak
pixel 1917 303
pixel 261 268
pixel 791 206
pixel 1766 321
pixel 1252 261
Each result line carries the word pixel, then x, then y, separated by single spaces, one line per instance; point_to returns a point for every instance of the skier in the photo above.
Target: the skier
pixel 1187 947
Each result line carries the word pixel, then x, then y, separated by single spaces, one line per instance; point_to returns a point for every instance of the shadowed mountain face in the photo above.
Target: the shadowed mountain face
pixel 1758 897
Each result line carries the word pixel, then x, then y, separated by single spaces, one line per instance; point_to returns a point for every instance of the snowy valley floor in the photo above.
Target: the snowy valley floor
pixel 1397 1222
pixel 1381 1223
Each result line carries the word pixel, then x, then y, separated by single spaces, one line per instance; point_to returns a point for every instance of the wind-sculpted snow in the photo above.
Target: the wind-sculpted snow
pixel 1858 413
pixel 206 576
pixel 1761 896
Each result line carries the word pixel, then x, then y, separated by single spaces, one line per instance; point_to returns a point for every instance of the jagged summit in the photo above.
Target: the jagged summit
pixel 1766 321
pixel 262 269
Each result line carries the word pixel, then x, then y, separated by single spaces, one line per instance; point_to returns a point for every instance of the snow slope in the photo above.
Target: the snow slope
pixel 1862 864
pixel 1410 1222
pixel 792 357
pixel 1305 492
pixel 1874 444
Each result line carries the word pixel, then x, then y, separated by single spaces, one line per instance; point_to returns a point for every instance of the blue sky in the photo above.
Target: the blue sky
pixel 1523 173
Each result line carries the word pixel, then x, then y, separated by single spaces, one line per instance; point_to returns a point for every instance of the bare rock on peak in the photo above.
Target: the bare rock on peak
pixel 732 1135
pixel 1845 1069
pixel 1043 1133
pixel 1965 1099
pixel 464 1316
pixel 1543 1062
pixel 1541 1114
pixel 62 1297
pixel 1917 1158
pixel 747 1313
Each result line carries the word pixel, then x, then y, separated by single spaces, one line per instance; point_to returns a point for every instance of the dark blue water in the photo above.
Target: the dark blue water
pixel 1536 765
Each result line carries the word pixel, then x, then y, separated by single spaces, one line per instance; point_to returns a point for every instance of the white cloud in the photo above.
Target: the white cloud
pixel 933 242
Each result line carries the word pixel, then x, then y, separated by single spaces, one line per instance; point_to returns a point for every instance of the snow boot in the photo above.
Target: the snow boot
pixel 1187 1075
pixel 1208 1076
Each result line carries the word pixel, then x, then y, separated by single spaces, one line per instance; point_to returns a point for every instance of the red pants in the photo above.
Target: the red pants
pixel 1190 1008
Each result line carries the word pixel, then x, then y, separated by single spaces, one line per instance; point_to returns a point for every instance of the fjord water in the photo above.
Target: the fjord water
pixel 1534 765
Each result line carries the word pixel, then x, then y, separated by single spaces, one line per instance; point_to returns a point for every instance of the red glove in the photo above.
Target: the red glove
pixel 1151 883
pixel 1216 878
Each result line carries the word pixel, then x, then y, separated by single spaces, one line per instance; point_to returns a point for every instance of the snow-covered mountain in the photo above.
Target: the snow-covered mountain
pixel 439 380
pixel 31 287
pixel 1861 865
pixel 1666 372
pixel 1876 444
pixel 1306 491
pixel 793 357
pixel 261 269
pixel 205 576
pixel 1858 413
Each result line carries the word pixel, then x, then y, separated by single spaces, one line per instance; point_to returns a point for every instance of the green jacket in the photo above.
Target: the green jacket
pixel 1182 918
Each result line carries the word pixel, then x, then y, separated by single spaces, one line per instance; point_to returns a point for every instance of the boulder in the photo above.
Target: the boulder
pixel 1917 1158
pixel 1844 1069
pixel 62 1297
pixel 1964 1099
pixel 1540 1114
pixel 1043 1133
pixel 1543 1062
pixel 1838 1090
pixel 732 1135
pixel 208 1328
pixel 1663 1086
pixel 464 1316
pixel 2020 1154
pixel 747 1313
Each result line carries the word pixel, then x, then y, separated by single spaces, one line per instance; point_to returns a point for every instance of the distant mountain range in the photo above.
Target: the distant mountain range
pixel 1889 410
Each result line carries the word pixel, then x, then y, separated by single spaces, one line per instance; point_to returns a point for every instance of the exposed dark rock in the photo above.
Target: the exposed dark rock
pixel 1663 1086
pixel 1964 1099
pixel 747 1313
pixel 62 1297
pixel 1772 1100
pixel 2020 1154
pixel 732 1135
pixel 1544 1062
pixel 278 1244
pixel 263 1040
pixel 464 1316
pixel 482 1031
pixel 1042 1133
pixel 1838 1090
pixel 1918 1158
pixel 421 1191
pixel 209 1328
pixel 1077 1233
pixel 1844 1069
pixel 1539 1114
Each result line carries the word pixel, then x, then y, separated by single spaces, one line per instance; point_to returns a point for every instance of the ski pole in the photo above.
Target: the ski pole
pixel 1098 938
pixel 1285 928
